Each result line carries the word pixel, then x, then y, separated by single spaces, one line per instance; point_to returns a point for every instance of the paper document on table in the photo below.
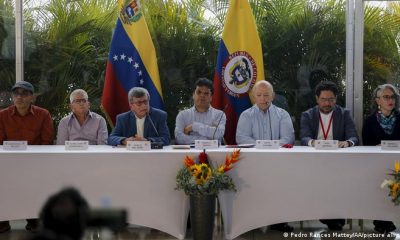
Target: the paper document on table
pixel 180 146
pixel 249 145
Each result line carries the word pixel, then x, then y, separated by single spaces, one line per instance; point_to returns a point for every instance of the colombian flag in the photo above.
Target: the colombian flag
pixel 239 65
pixel 131 62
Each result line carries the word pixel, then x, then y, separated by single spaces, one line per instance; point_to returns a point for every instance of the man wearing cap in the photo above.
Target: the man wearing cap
pixel 23 121
pixel 82 124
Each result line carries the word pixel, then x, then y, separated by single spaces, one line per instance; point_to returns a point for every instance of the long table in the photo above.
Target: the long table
pixel 141 182
pixel 303 184
pixel 273 185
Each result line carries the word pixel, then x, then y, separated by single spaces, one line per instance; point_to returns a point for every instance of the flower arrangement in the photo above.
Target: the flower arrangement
pixel 394 184
pixel 202 179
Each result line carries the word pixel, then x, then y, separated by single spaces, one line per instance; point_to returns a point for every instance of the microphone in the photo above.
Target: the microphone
pixel 270 124
pixel 219 121
pixel 155 145
pixel 152 124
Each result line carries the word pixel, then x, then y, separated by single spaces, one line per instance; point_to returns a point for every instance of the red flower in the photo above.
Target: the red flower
pixel 229 161
pixel 235 155
pixel 188 161
pixel 203 158
pixel 228 167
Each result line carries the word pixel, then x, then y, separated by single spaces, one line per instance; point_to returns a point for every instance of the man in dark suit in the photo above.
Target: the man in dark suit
pixel 328 121
pixel 142 123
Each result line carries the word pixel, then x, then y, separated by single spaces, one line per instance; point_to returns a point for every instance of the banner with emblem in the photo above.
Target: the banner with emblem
pixel 132 62
pixel 239 65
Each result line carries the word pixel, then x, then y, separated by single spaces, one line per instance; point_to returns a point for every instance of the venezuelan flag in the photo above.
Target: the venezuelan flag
pixel 239 65
pixel 132 62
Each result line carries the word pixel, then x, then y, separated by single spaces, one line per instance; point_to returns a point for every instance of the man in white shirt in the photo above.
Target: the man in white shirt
pixel 202 121
pixel 264 121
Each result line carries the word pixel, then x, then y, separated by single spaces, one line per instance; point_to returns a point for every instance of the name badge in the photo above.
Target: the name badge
pixel 390 145
pixel 205 144
pixel 15 145
pixel 326 144
pixel 76 145
pixel 138 145
pixel 267 144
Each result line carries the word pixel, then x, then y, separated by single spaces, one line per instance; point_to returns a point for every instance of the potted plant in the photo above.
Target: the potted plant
pixel 202 182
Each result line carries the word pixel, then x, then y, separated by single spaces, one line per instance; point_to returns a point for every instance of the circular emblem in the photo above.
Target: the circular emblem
pixel 239 74
pixel 130 11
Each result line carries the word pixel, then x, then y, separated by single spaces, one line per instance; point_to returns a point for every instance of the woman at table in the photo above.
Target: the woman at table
pixel 383 124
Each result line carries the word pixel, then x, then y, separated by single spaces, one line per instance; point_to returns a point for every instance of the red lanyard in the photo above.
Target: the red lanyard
pixel 322 126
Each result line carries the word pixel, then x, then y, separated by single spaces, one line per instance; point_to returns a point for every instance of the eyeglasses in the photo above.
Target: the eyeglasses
pixel 331 100
pixel 140 103
pixel 387 97
pixel 24 93
pixel 79 101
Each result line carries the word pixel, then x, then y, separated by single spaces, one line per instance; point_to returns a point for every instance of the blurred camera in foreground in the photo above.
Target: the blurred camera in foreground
pixel 66 215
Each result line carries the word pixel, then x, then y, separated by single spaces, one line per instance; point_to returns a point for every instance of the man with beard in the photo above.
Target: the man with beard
pixel 328 121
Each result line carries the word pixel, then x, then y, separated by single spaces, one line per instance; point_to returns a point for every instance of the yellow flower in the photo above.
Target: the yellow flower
pixel 201 172
pixel 194 169
pixel 221 169
pixel 394 189
pixel 202 178
pixel 397 166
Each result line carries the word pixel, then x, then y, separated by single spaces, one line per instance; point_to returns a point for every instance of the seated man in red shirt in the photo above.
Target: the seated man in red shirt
pixel 23 121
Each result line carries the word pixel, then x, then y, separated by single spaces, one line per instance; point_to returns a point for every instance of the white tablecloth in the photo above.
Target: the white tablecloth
pixel 302 183
pixel 273 185
pixel 141 182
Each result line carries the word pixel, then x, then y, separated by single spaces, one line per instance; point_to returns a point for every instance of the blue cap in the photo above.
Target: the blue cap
pixel 24 85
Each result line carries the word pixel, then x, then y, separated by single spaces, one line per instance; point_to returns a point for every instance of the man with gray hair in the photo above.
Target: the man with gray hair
pixel 141 123
pixel 264 121
pixel 81 123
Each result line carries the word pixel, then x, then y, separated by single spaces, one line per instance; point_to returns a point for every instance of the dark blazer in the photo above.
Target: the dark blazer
pixel 126 127
pixel 343 127
pixel 372 132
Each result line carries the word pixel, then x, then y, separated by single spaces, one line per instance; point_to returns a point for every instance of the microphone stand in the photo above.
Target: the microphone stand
pixel 219 121
pixel 155 145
